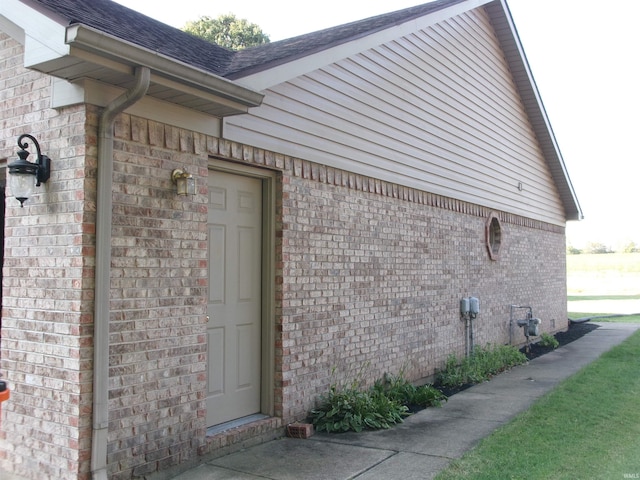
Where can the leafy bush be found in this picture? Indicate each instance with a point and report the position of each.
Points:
(398, 388)
(349, 408)
(356, 410)
(481, 365)
(548, 341)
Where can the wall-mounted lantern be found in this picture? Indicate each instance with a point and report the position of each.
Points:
(184, 182)
(25, 175)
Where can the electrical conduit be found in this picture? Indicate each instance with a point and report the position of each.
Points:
(103, 271)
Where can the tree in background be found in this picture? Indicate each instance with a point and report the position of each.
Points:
(596, 247)
(227, 31)
(571, 250)
(630, 247)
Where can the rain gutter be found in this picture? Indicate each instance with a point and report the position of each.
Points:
(82, 38)
(103, 271)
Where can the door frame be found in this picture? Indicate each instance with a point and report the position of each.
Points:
(267, 343)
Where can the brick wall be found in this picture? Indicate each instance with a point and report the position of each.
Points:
(373, 275)
(159, 293)
(369, 277)
(48, 284)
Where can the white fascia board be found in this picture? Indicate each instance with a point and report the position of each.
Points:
(281, 73)
(11, 29)
(43, 37)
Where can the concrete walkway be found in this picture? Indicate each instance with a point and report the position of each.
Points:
(427, 441)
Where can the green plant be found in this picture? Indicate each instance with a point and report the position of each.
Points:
(481, 365)
(355, 410)
(348, 407)
(399, 389)
(548, 341)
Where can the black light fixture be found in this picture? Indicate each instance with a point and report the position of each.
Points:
(22, 172)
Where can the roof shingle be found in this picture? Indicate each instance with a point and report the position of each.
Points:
(258, 58)
(131, 26)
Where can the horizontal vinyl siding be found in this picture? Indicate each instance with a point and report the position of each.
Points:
(437, 111)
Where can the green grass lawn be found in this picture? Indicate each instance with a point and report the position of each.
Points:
(588, 427)
(605, 306)
(604, 317)
(601, 284)
(602, 297)
(604, 274)
(618, 262)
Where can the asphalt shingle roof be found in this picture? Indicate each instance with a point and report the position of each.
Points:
(126, 24)
(257, 58)
(131, 26)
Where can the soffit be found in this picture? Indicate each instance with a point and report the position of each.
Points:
(76, 52)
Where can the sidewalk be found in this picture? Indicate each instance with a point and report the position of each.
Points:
(427, 441)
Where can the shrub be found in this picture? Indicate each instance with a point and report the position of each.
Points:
(398, 388)
(352, 409)
(548, 341)
(481, 365)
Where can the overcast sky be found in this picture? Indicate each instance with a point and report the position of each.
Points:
(583, 54)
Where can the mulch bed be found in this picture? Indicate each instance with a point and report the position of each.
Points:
(574, 332)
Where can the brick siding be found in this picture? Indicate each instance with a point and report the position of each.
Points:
(48, 284)
(368, 279)
(373, 275)
(158, 300)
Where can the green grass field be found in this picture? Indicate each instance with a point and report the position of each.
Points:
(604, 284)
(604, 274)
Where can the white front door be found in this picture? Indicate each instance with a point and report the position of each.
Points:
(235, 299)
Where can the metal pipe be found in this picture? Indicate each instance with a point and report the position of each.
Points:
(512, 308)
(103, 271)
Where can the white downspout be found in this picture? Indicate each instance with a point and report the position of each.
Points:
(103, 271)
